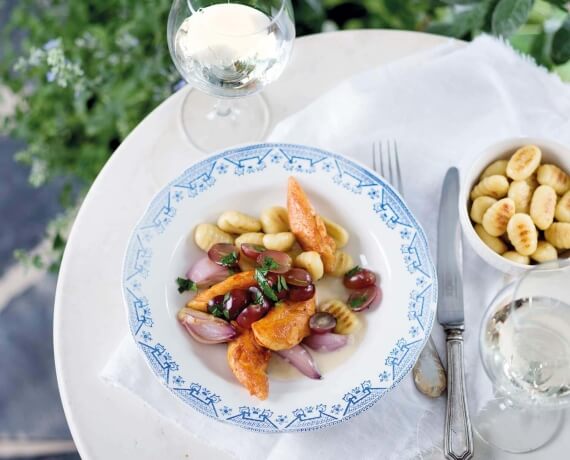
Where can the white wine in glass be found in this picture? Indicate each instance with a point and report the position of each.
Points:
(228, 51)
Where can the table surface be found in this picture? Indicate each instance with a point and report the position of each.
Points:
(90, 320)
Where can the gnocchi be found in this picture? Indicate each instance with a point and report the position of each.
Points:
(238, 222)
(336, 232)
(562, 212)
(498, 167)
(514, 256)
(206, 235)
(544, 252)
(346, 321)
(275, 220)
(558, 234)
(522, 234)
(496, 244)
(520, 192)
(343, 263)
(553, 176)
(282, 241)
(479, 206)
(311, 261)
(524, 162)
(497, 217)
(250, 238)
(542, 206)
(494, 186)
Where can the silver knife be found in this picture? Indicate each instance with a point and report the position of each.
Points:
(458, 436)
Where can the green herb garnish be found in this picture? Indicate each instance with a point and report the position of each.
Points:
(258, 299)
(217, 312)
(264, 285)
(281, 284)
(353, 271)
(357, 301)
(229, 260)
(186, 284)
(268, 265)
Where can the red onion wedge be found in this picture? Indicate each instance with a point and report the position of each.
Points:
(206, 328)
(300, 358)
(205, 273)
(326, 342)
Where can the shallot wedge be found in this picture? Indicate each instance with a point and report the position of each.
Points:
(300, 358)
(326, 342)
(206, 328)
(205, 273)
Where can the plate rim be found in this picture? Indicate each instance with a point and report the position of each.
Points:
(363, 169)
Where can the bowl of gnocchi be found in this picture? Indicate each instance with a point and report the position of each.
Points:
(515, 203)
(279, 288)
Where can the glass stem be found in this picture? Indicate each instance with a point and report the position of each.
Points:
(223, 107)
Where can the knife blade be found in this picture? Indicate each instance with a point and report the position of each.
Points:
(458, 436)
(449, 271)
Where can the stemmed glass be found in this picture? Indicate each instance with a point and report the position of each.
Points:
(228, 50)
(525, 348)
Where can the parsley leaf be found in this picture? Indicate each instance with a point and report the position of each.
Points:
(281, 284)
(217, 312)
(353, 271)
(268, 265)
(230, 259)
(258, 299)
(186, 284)
(357, 301)
(264, 285)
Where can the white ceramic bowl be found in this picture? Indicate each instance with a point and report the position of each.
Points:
(552, 152)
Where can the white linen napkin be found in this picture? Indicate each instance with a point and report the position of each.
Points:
(441, 111)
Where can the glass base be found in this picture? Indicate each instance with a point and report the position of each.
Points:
(514, 429)
(213, 124)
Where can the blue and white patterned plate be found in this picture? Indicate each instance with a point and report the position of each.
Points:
(384, 236)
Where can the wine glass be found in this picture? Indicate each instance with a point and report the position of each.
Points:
(525, 348)
(228, 50)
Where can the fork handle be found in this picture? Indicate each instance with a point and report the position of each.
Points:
(458, 436)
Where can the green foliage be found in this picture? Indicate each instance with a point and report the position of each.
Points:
(88, 72)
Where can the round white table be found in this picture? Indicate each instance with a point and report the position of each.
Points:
(90, 319)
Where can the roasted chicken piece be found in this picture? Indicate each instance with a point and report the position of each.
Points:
(241, 280)
(285, 325)
(248, 361)
(308, 227)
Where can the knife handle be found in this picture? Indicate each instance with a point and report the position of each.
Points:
(458, 437)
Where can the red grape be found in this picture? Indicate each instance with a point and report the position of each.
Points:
(298, 293)
(251, 314)
(275, 261)
(273, 280)
(322, 322)
(252, 250)
(256, 297)
(234, 302)
(298, 277)
(358, 278)
(361, 299)
(224, 254)
(216, 306)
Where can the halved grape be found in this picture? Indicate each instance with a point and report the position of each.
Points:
(252, 250)
(224, 254)
(360, 299)
(322, 322)
(300, 293)
(274, 261)
(298, 277)
(234, 302)
(358, 278)
(256, 297)
(251, 314)
(279, 286)
(216, 306)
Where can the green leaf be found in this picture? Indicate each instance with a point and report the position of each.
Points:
(186, 284)
(353, 271)
(268, 264)
(509, 15)
(281, 284)
(264, 285)
(230, 260)
(561, 44)
(357, 301)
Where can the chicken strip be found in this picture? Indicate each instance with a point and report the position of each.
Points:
(285, 325)
(248, 361)
(307, 226)
(241, 280)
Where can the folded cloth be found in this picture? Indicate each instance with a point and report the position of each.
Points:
(441, 109)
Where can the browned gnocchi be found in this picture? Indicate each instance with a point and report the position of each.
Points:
(518, 199)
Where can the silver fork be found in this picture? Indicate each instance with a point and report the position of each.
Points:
(429, 375)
